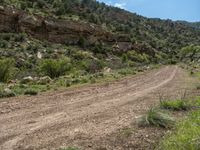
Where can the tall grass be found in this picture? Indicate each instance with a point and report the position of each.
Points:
(6, 69)
(180, 105)
(175, 104)
(186, 135)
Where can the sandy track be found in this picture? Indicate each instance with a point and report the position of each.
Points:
(64, 118)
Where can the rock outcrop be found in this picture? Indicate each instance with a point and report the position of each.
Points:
(58, 31)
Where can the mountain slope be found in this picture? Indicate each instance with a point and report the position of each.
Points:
(162, 35)
(191, 24)
(91, 35)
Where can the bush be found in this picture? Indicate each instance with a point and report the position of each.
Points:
(4, 94)
(175, 105)
(19, 37)
(30, 92)
(198, 87)
(94, 66)
(3, 44)
(82, 42)
(154, 117)
(6, 69)
(55, 68)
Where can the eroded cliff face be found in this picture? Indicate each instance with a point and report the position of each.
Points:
(58, 31)
(65, 31)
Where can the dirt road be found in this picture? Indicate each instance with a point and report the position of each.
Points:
(82, 116)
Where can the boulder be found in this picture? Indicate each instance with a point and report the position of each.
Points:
(7, 90)
(39, 55)
(27, 80)
(45, 80)
(107, 70)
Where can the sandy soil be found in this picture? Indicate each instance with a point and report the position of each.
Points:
(88, 117)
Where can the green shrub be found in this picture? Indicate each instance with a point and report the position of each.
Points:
(30, 92)
(175, 105)
(137, 57)
(94, 66)
(196, 103)
(55, 68)
(198, 87)
(82, 42)
(19, 37)
(4, 94)
(3, 44)
(155, 117)
(6, 36)
(6, 69)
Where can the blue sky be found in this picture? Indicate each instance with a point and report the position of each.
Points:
(188, 10)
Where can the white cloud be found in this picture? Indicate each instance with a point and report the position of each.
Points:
(120, 5)
(109, 3)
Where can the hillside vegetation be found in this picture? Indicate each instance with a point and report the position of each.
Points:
(82, 40)
(192, 24)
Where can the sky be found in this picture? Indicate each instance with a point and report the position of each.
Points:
(188, 10)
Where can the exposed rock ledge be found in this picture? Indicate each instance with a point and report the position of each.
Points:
(58, 31)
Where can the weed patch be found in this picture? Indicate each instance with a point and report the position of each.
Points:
(185, 136)
(176, 105)
(180, 105)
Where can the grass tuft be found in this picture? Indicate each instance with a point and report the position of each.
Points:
(30, 92)
(155, 117)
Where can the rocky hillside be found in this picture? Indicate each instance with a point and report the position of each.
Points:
(89, 34)
(72, 22)
(55, 30)
(191, 24)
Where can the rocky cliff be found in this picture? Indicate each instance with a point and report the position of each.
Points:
(59, 31)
